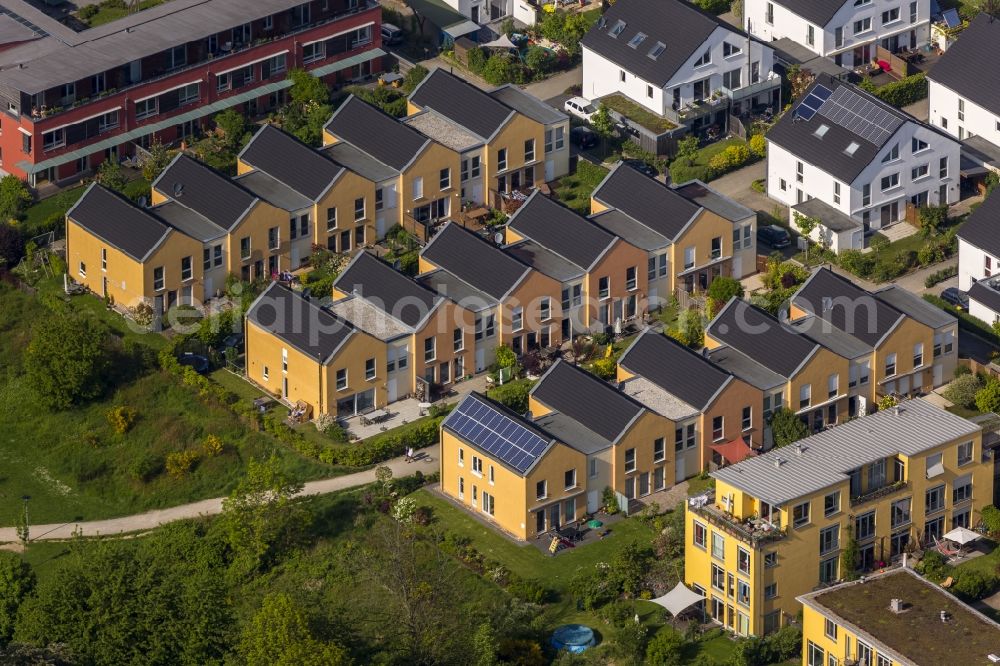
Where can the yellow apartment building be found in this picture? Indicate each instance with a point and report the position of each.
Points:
(896, 339)
(416, 179)
(501, 135)
(691, 234)
(297, 350)
(508, 471)
(794, 370)
(603, 275)
(513, 304)
(429, 338)
(705, 405)
(330, 206)
(775, 525)
(894, 619)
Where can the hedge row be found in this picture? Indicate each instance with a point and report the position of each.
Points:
(940, 276)
(900, 93)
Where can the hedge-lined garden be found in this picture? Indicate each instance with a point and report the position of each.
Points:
(900, 93)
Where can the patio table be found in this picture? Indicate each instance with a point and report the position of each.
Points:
(376, 416)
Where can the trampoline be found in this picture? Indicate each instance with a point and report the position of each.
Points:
(574, 638)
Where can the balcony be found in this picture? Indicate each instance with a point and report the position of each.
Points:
(768, 83)
(879, 493)
(688, 112)
(755, 532)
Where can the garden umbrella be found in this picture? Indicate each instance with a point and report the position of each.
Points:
(961, 536)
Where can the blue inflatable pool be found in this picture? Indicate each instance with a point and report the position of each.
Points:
(573, 637)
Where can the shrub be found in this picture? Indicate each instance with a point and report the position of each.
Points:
(528, 590)
(714, 6)
(475, 58)
(500, 69)
(758, 145)
(903, 92)
(759, 186)
(144, 468)
(934, 565)
(506, 358)
(940, 276)
(121, 418)
(666, 648)
(513, 394)
(857, 262)
(988, 397)
(539, 60)
(732, 157)
(962, 390)
(213, 446)
(179, 463)
(787, 427)
(605, 368)
(991, 519)
(973, 584)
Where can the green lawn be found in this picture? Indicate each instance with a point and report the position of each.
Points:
(75, 467)
(575, 189)
(109, 11)
(637, 113)
(40, 216)
(988, 564)
(681, 171)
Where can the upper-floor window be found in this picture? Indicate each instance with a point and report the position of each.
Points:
(188, 94)
(918, 145)
(964, 453)
(146, 108)
(862, 25)
(359, 208)
(604, 287)
(444, 179)
(629, 460)
(186, 271)
(890, 365)
(108, 121)
(502, 159)
(53, 139)
(800, 514)
(659, 449)
(313, 52)
(529, 150)
(810, 35)
(177, 57)
(705, 59)
(631, 278)
(730, 49)
(158, 282)
(890, 16)
(300, 15)
(892, 155)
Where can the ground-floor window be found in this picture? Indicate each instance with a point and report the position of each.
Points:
(718, 609)
(359, 403)
(898, 543)
(488, 503)
(772, 622)
(815, 655)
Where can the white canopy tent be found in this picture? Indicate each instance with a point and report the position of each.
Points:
(679, 599)
(501, 42)
(961, 536)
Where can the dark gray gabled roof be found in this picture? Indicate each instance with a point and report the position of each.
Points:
(302, 324)
(674, 368)
(982, 229)
(285, 158)
(187, 221)
(760, 336)
(360, 162)
(702, 195)
(592, 402)
(204, 190)
(561, 230)
(796, 131)
(839, 342)
(462, 102)
(682, 27)
(913, 306)
(474, 260)
(529, 105)
(118, 222)
(380, 284)
(273, 191)
(380, 135)
(630, 230)
(846, 306)
(819, 12)
(968, 66)
(646, 200)
(573, 433)
(545, 261)
(747, 369)
(981, 292)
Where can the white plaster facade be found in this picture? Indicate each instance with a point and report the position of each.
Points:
(961, 117)
(977, 265)
(849, 38)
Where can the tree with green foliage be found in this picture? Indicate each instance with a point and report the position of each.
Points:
(850, 556)
(687, 149)
(721, 290)
(878, 243)
(231, 126)
(666, 648)
(501, 68)
(413, 77)
(688, 329)
(279, 635)
(485, 646)
(506, 358)
(14, 197)
(11, 246)
(787, 428)
(308, 109)
(17, 582)
(156, 161)
(805, 223)
(963, 389)
(67, 360)
(988, 397)
(111, 176)
(263, 517)
(603, 123)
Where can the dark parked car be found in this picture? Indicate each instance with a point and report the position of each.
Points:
(583, 137)
(774, 236)
(642, 167)
(956, 297)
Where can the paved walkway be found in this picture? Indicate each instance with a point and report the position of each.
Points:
(427, 463)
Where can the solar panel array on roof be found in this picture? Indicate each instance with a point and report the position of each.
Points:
(497, 434)
(813, 101)
(860, 115)
(951, 18)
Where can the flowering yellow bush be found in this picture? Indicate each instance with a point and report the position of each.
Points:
(179, 463)
(121, 418)
(213, 446)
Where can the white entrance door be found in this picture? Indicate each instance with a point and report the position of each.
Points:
(938, 375)
(477, 192)
(593, 501)
(904, 386)
(209, 291)
(480, 360)
(380, 226)
(550, 170)
(295, 258)
(390, 390)
(679, 474)
(737, 266)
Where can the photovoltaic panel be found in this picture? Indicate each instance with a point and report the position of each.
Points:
(496, 433)
(822, 92)
(860, 115)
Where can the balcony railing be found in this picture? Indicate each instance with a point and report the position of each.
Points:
(753, 532)
(693, 110)
(771, 81)
(363, 6)
(879, 493)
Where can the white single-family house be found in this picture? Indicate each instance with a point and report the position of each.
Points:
(979, 260)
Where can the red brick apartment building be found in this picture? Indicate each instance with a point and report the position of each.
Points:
(71, 99)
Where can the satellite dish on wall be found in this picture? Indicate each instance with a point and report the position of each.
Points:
(178, 189)
(498, 238)
(142, 202)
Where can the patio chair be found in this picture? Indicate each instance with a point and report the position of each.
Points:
(943, 548)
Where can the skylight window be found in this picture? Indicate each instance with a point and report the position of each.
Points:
(617, 29)
(852, 148)
(657, 50)
(821, 131)
(638, 39)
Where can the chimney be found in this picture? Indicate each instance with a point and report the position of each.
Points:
(798, 449)
(944, 616)
(778, 462)
(895, 410)
(896, 605)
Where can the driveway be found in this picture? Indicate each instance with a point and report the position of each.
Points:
(556, 84)
(427, 462)
(736, 185)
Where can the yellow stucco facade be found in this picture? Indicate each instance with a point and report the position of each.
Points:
(515, 157)
(699, 249)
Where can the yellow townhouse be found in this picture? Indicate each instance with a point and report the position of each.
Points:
(416, 178)
(691, 234)
(241, 233)
(299, 351)
(602, 276)
(714, 415)
(898, 339)
(793, 370)
(513, 304)
(429, 338)
(896, 618)
(329, 205)
(129, 255)
(508, 141)
(775, 526)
